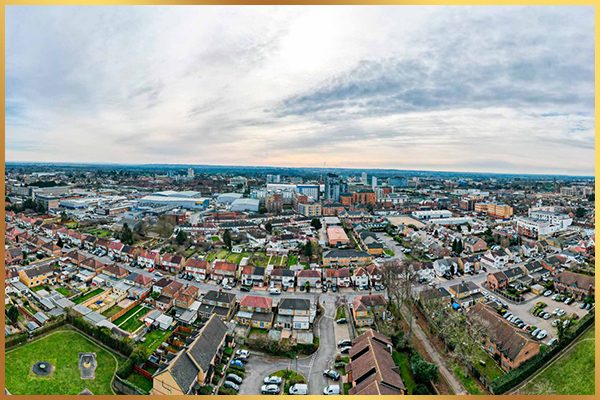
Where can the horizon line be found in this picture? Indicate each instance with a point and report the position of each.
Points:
(292, 167)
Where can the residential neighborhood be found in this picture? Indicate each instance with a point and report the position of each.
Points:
(192, 282)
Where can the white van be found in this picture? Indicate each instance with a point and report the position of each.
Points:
(298, 388)
(332, 389)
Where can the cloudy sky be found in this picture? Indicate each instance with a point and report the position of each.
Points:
(498, 89)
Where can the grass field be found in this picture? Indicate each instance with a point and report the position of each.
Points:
(292, 260)
(572, 373)
(100, 232)
(87, 296)
(111, 311)
(64, 291)
(140, 381)
(155, 338)
(403, 362)
(61, 349)
(132, 322)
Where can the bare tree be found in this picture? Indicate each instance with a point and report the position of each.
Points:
(399, 278)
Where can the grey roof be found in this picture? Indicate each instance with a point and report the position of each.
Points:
(220, 297)
(207, 344)
(184, 372)
(294, 304)
(344, 253)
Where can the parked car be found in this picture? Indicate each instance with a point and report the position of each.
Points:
(231, 385)
(547, 293)
(234, 378)
(274, 291)
(272, 380)
(344, 343)
(547, 316)
(535, 332)
(332, 373)
(242, 359)
(324, 289)
(242, 352)
(332, 389)
(568, 301)
(298, 389)
(345, 350)
(542, 334)
(227, 287)
(552, 341)
(582, 305)
(245, 288)
(341, 321)
(269, 389)
(236, 363)
(588, 306)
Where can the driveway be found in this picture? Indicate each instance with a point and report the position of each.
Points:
(312, 367)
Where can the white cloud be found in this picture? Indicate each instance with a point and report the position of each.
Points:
(482, 89)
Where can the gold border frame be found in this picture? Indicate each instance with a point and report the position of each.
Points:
(5, 3)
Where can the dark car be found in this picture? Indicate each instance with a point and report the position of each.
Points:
(244, 288)
(341, 321)
(332, 373)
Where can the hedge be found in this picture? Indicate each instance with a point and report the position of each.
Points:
(513, 378)
(14, 340)
(103, 335)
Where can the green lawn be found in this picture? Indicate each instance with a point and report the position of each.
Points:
(340, 312)
(134, 322)
(61, 349)
(64, 291)
(290, 378)
(87, 296)
(572, 373)
(403, 362)
(111, 311)
(292, 260)
(100, 232)
(155, 338)
(468, 381)
(140, 381)
(214, 238)
(491, 369)
(389, 252)
(128, 314)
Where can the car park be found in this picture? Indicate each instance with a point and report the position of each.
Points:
(535, 332)
(272, 380)
(269, 389)
(547, 316)
(568, 301)
(552, 341)
(332, 373)
(231, 385)
(331, 389)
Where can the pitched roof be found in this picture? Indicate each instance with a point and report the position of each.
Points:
(256, 301)
(509, 340)
(294, 304)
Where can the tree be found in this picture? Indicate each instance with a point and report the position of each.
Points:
(181, 237)
(60, 243)
(126, 235)
(269, 227)
(580, 212)
(227, 238)
(63, 217)
(399, 278)
(308, 249)
(12, 313)
(423, 371)
(316, 223)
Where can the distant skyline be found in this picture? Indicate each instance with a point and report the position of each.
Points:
(461, 89)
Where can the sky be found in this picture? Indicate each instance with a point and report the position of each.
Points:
(469, 89)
